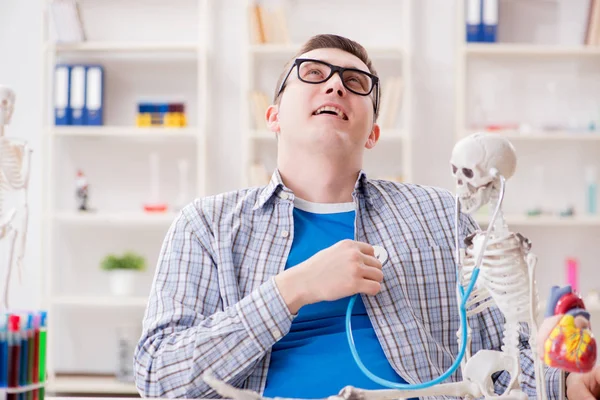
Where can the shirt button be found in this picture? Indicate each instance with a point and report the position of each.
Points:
(284, 196)
(276, 334)
(285, 234)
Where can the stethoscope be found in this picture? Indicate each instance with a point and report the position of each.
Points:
(463, 297)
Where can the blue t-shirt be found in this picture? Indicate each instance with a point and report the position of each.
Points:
(314, 360)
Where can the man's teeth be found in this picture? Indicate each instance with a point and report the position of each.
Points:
(331, 109)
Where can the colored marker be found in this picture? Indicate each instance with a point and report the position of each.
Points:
(14, 353)
(30, 353)
(3, 351)
(42, 352)
(36, 353)
(23, 356)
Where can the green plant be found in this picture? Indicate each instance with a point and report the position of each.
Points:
(128, 260)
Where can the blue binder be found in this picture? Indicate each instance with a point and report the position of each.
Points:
(62, 83)
(473, 20)
(490, 20)
(94, 98)
(77, 96)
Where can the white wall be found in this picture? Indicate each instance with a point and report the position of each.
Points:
(434, 67)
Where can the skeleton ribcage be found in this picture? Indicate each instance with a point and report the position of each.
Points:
(503, 277)
(11, 175)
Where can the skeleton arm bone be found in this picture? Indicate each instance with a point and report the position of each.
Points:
(15, 165)
(22, 233)
(11, 234)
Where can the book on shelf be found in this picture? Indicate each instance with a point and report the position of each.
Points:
(481, 21)
(268, 24)
(260, 102)
(391, 97)
(592, 32)
(68, 24)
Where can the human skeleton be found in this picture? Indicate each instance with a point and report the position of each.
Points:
(14, 176)
(481, 164)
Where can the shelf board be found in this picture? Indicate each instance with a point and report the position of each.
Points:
(21, 389)
(543, 220)
(100, 301)
(385, 136)
(543, 135)
(533, 50)
(291, 49)
(124, 47)
(125, 218)
(90, 385)
(123, 131)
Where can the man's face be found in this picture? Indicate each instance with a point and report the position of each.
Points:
(345, 123)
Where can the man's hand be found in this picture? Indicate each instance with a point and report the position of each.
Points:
(344, 269)
(584, 386)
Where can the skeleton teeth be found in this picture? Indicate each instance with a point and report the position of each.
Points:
(332, 109)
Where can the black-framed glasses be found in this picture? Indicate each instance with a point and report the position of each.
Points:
(355, 80)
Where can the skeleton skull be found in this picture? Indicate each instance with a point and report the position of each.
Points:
(476, 162)
(7, 103)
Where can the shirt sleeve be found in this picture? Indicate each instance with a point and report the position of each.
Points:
(187, 331)
(489, 326)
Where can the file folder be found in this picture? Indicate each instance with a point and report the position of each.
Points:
(62, 79)
(490, 20)
(94, 98)
(473, 20)
(77, 94)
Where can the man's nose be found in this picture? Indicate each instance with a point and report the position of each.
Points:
(335, 85)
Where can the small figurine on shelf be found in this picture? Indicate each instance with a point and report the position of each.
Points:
(81, 184)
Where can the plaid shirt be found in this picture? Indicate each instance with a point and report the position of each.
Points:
(215, 306)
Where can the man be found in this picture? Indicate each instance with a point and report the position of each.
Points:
(253, 285)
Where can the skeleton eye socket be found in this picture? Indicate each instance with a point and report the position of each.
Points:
(467, 172)
(454, 169)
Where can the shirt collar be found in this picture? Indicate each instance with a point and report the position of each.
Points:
(277, 187)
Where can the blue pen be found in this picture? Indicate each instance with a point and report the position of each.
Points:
(3, 350)
(29, 373)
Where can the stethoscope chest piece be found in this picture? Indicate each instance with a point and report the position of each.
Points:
(380, 254)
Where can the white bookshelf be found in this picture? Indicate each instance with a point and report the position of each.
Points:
(392, 157)
(142, 63)
(546, 136)
(520, 221)
(100, 301)
(529, 50)
(137, 219)
(125, 132)
(125, 47)
(510, 81)
(90, 385)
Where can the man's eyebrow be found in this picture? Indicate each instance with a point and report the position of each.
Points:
(346, 65)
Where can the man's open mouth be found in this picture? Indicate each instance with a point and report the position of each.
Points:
(332, 111)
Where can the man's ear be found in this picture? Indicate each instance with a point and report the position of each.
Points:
(272, 116)
(373, 137)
